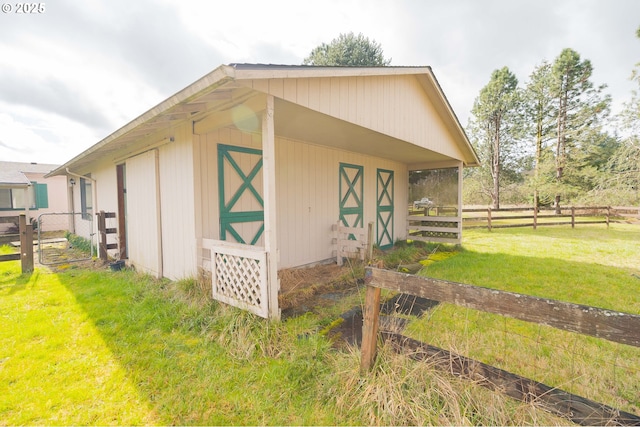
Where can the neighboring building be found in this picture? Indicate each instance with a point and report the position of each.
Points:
(270, 157)
(24, 189)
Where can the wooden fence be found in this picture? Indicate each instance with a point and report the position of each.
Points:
(597, 322)
(104, 246)
(26, 246)
(435, 224)
(532, 217)
(351, 242)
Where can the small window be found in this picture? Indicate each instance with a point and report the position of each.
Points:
(6, 200)
(86, 199)
(14, 198)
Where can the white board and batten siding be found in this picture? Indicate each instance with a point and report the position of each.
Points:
(308, 198)
(179, 244)
(160, 209)
(307, 180)
(393, 105)
(143, 213)
(206, 158)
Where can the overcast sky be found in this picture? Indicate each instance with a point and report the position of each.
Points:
(82, 69)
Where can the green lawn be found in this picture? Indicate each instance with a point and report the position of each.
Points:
(592, 265)
(84, 347)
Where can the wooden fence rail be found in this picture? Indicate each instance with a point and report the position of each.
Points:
(26, 246)
(538, 217)
(606, 324)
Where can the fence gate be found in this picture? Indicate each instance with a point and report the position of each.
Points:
(64, 238)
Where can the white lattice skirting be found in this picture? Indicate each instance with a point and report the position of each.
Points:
(239, 275)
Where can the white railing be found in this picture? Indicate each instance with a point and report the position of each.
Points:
(238, 275)
(445, 229)
(350, 242)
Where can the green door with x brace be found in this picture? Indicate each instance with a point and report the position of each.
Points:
(241, 204)
(351, 196)
(384, 208)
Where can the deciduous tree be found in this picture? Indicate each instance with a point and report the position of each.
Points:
(348, 50)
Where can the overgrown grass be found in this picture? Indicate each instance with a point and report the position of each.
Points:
(79, 242)
(7, 249)
(592, 266)
(101, 347)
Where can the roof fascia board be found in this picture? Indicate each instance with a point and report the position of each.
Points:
(265, 72)
(214, 79)
(433, 88)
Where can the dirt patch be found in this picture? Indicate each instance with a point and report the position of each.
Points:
(348, 329)
(304, 288)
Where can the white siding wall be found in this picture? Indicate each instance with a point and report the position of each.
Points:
(177, 202)
(308, 198)
(207, 162)
(307, 178)
(143, 216)
(393, 105)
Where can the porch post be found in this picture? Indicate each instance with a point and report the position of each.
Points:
(269, 183)
(460, 204)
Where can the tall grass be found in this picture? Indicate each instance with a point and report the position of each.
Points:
(101, 347)
(594, 266)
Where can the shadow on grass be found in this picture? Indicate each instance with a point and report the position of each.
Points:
(19, 283)
(191, 367)
(175, 356)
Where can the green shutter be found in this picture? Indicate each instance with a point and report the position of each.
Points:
(42, 197)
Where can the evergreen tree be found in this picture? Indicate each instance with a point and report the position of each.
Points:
(579, 109)
(624, 165)
(494, 130)
(539, 116)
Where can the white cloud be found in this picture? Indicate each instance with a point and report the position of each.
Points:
(78, 72)
(29, 135)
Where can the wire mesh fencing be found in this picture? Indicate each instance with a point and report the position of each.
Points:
(65, 238)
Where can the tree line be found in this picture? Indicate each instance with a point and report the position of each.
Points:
(551, 141)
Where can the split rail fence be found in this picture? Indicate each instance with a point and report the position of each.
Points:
(442, 223)
(532, 217)
(605, 324)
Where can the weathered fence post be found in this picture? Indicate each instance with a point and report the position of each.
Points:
(339, 246)
(608, 215)
(535, 217)
(102, 230)
(573, 217)
(489, 218)
(370, 241)
(371, 315)
(26, 244)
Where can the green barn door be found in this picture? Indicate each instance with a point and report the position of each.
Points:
(351, 196)
(241, 204)
(384, 208)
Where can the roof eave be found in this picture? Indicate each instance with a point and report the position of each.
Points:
(217, 77)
